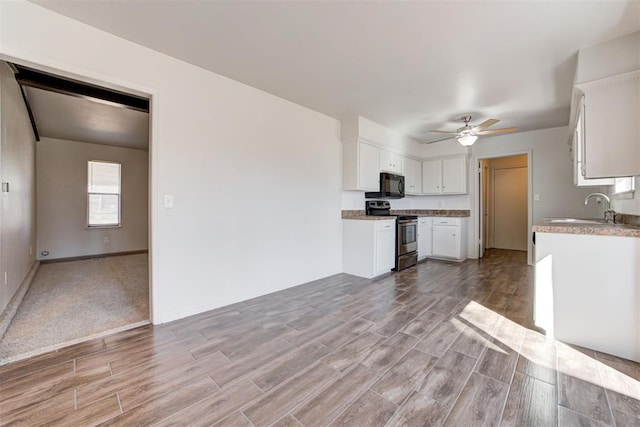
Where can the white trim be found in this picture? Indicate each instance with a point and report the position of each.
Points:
(473, 217)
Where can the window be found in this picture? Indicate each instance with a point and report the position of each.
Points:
(103, 194)
(624, 185)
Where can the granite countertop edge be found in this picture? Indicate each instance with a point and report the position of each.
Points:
(360, 214)
(621, 230)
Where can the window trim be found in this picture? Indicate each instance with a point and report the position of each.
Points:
(632, 186)
(119, 194)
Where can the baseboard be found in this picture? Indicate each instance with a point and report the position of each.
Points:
(12, 308)
(82, 257)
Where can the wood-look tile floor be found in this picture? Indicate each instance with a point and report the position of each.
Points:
(440, 344)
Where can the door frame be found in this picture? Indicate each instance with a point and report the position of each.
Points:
(47, 64)
(477, 223)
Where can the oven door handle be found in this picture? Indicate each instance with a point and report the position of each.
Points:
(407, 221)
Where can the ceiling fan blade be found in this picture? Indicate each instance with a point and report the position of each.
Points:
(452, 132)
(438, 140)
(496, 131)
(486, 124)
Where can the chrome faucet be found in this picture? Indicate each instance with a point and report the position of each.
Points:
(609, 214)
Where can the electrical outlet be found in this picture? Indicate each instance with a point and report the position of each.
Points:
(30, 250)
(6, 278)
(105, 239)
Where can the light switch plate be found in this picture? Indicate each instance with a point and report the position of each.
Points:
(168, 201)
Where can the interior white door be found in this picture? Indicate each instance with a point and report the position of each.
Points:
(510, 208)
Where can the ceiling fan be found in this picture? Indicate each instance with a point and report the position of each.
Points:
(467, 134)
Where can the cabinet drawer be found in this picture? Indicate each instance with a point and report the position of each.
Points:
(446, 221)
(424, 221)
(384, 224)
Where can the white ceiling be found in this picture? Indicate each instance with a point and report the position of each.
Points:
(78, 119)
(408, 65)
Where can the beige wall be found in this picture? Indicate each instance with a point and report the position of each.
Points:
(62, 200)
(17, 167)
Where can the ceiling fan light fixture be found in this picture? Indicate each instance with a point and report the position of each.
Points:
(467, 140)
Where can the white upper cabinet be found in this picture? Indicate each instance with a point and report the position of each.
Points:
(390, 162)
(454, 175)
(611, 126)
(444, 176)
(578, 151)
(361, 166)
(432, 177)
(412, 172)
(368, 172)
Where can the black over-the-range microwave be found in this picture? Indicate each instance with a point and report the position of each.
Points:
(391, 187)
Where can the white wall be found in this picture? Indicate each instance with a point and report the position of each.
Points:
(17, 207)
(617, 56)
(61, 171)
(359, 127)
(256, 179)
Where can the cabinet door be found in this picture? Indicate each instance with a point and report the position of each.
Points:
(446, 241)
(407, 172)
(417, 176)
(454, 175)
(612, 128)
(368, 172)
(424, 239)
(385, 248)
(578, 151)
(412, 172)
(431, 176)
(390, 162)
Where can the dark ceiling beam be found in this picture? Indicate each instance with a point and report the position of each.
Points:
(25, 97)
(40, 80)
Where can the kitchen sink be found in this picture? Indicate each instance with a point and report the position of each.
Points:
(573, 221)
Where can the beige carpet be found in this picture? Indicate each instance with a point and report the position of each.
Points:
(68, 301)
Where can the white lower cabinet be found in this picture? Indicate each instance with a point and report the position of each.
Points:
(449, 238)
(587, 291)
(368, 246)
(446, 241)
(424, 237)
(385, 248)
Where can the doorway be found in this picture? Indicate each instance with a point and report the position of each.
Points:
(93, 246)
(503, 208)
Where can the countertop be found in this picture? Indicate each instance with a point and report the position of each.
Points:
(360, 214)
(622, 230)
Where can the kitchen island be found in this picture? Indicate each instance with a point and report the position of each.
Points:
(587, 285)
